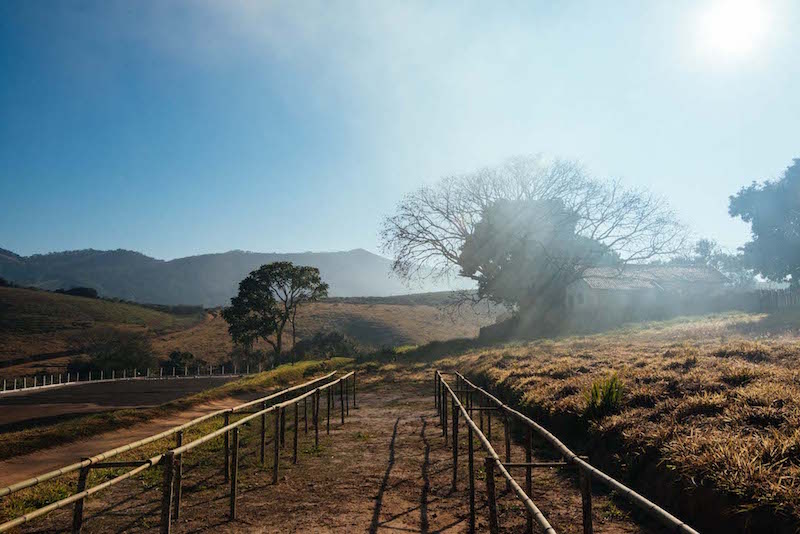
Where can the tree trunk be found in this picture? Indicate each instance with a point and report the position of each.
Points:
(294, 332)
(278, 337)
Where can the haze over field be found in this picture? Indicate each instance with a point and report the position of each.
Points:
(580, 218)
(208, 280)
(194, 127)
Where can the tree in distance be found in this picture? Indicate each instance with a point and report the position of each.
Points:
(526, 230)
(268, 299)
(110, 349)
(773, 211)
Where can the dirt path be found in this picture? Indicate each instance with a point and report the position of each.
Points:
(44, 405)
(23, 467)
(386, 470)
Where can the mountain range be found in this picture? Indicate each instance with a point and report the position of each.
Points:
(208, 279)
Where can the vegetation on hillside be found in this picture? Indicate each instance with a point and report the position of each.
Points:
(713, 399)
(44, 436)
(35, 322)
(526, 230)
(268, 300)
(42, 323)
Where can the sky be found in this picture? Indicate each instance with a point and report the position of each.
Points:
(178, 128)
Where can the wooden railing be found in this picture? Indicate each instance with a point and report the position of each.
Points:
(172, 459)
(49, 381)
(491, 404)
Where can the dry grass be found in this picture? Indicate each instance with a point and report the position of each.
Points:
(716, 399)
(41, 437)
(36, 322)
(371, 325)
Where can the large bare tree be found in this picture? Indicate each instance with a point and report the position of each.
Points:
(431, 226)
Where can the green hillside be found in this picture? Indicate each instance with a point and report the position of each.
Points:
(35, 322)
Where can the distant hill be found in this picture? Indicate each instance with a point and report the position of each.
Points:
(41, 323)
(209, 279)
(36, 326)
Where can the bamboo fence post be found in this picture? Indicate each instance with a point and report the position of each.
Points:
(471, 464)
(328, 416)
(227, 448)
(443, 412)
(354, 390)
(507, 431)
(277, 441)
(528, 478)
(316, 418)
(305, 414)
(167, 492)
(77, 513)
(347, 396)
(178, 476)
(283, 427)
(341, 398)
(296, 431)
(491, 497)
(263, 433)
(586, 500)
(480, 411)
(489, 425)
(455, 446)
(234, 472)
(436, 390)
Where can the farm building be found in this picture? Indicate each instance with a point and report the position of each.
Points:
(609, 293)
(608, 296)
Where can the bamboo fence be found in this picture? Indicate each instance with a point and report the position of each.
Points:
(172, 459)
(491, 404)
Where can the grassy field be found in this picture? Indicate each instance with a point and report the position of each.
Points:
(714, 400)
(37, 322)
(40, 437)
(371, 325)
(30, 440)
(41, 323)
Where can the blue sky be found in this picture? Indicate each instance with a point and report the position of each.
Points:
(177, 128)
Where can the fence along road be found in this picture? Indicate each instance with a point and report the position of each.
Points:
(228, 429)
(442, 391)
(19, 384)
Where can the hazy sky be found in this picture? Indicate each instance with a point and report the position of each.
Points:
(177, 128)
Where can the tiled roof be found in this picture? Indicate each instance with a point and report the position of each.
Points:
(633, 277)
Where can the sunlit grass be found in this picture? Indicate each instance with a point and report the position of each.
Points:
(714, 398)
(29, 440)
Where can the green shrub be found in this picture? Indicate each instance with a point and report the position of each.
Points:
(604, 398)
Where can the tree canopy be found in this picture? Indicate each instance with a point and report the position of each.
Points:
(525, 230)
(268, 299)
(524, 250)
(773, 211)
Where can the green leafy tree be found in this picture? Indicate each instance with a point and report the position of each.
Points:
(268, 299)
(525, 230)
(524, 253)
(109, 349)
(708, 253)
(772, 209)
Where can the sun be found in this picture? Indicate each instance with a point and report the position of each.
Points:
(732, 30)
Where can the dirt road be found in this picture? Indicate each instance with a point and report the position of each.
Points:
(46, 405)
(27, 466)
(386, 470)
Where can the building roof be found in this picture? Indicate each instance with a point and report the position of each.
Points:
(660, 277)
